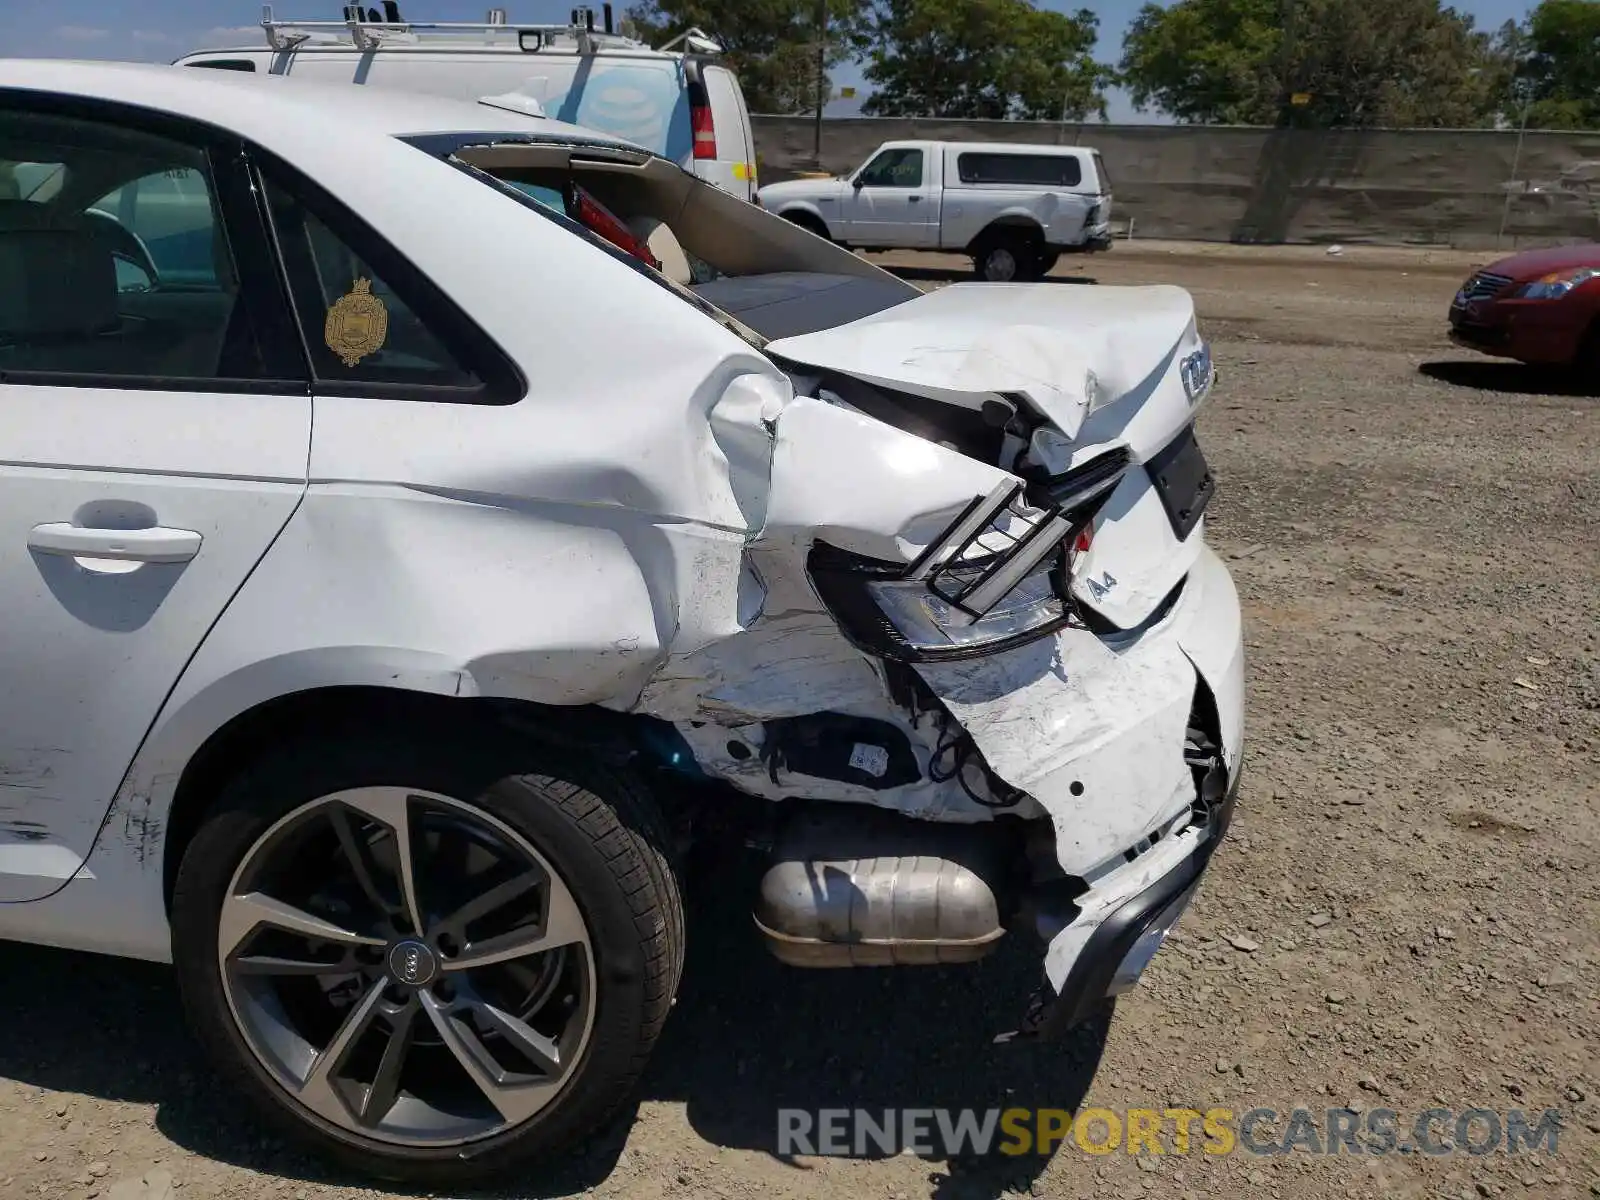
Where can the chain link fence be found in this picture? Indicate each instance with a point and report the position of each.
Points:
(1470, 188)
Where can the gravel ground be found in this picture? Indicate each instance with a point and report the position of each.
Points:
(1405, 915)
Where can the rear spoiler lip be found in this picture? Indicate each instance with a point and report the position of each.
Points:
(443, 145)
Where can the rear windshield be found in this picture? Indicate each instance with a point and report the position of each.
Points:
(752, 272)
(1046, 170)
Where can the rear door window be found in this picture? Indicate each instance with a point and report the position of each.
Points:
(117, 267)
(169, 211)
(1031, 170)
(1100, 170)
(34, 182)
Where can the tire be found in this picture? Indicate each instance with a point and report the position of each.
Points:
(578, 828)
(1047, 262)
(1006, 257)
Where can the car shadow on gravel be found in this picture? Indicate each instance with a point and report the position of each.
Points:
(1510, 378)
(747, 1037)
(751, 1036)
(959, 275)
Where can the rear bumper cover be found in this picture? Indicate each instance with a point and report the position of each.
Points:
(1094, 729)
(1114, 933)
(1095, 733)
(1098, 241)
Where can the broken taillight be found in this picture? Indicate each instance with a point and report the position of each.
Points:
(597, 218)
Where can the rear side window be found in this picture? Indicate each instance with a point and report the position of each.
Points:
(372, 324)
(1036, 170)
(1100, 170)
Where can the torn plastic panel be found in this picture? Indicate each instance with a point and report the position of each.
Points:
(861, 750)
(1033, 702)
(1107, 934)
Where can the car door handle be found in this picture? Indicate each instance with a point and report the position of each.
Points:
(153, 545)
(913, 199)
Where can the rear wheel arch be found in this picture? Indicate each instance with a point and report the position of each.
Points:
(807, 219)
(294, 718)
(1013, 228)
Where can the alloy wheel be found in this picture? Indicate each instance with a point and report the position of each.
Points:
(406, 966)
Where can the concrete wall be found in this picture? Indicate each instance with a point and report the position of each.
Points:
(1210, 183)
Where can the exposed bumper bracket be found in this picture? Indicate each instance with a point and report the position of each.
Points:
(1094, 975)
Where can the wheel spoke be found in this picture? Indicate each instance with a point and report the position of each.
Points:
(243, 915)
(496, 897)
(385, 1088)
(515, 1102)
(316, 1090)
(392, 807)
(542, 1051)
(359, 855)
(277, 964)
(562, 926)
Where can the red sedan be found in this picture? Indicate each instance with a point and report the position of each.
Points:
(1540, 306)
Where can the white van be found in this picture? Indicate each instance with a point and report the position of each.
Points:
(673, 100)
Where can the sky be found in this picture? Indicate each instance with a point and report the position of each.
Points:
(161, 30)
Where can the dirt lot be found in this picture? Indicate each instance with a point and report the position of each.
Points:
(1414, 534)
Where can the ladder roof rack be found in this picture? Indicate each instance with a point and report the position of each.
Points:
(371, 35)
(695, 40)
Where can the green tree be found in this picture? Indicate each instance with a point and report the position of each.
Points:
(1559, 65)
(771, 44)
(1353, 63)
(981, 58)
(1207, 61)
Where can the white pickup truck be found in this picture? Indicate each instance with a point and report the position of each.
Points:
(1015, 208)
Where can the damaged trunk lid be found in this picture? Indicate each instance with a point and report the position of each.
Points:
(1106, 382)
(1068, 350)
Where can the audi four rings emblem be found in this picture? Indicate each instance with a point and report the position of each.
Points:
(1195, 371)
(412, 963)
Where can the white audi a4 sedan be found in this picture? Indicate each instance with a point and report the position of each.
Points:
(416, 517)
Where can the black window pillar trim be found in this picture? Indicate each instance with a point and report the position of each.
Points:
(256, 259)
(258, 194)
